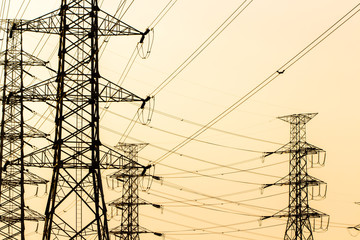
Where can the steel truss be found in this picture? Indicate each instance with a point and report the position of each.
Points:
(298, 212)
(13, 211)
(76, 206)
(129, 202)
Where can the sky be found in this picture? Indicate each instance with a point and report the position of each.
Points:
(211, 186)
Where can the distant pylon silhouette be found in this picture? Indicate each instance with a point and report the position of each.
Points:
(301, 184)
(129, 202)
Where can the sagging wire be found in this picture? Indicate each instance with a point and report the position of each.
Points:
(127, 67)
(262, 84)
(22, 4)
(207, 229)
(187, 156)
(182, 136)
(121, 8)
(203, 46)
(129, 128)
(185, 189)
(183, 204)
(162, 14)
(219, 233)
(197, 200)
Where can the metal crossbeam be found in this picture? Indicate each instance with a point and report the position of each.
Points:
(108, 92)
(50, 23)
(44, 158)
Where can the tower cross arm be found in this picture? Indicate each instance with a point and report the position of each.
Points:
(112, 159)
(44, 157)
(287, 148)
(112, 26)
(27, 60)
(47, 91)
(111, 92)
(50, 23)
(310, 212)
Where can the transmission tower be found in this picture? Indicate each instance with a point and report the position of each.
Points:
(302, 186)
(76, 206)
(129, 202)
(13, 211)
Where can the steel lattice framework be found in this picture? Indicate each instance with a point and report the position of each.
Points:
(298, 212)
(13, 212)
(76, 206)
(129, 202)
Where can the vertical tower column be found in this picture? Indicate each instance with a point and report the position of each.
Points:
(130, 201)
(12, 141)
(298, 225)
(129, 228)
(76, 175)
(13, 178)
(299, 214)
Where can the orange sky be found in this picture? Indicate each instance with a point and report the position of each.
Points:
(255, 45)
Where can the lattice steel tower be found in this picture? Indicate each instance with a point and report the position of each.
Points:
(129, 202)
(13, 211)
(76, 206)
(302, 186)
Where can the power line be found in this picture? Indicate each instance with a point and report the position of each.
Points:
(267, 81)
(182, 155)
(204, 198)
(168, 175)
(162, 14)
(203, 46)
(207, 228)
(220, 233)
(172, 204)
(186, 189)
(214, 129)
(179, 135)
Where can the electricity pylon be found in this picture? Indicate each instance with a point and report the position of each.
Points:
(129, 202)
(301, 184)
(76, 206)
(13, 211)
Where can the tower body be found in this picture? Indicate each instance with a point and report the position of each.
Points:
(302, 187)
(13, 177)
(76, 207)
(129, 203)
(130, 175)
(12, 143)
(298, 225)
